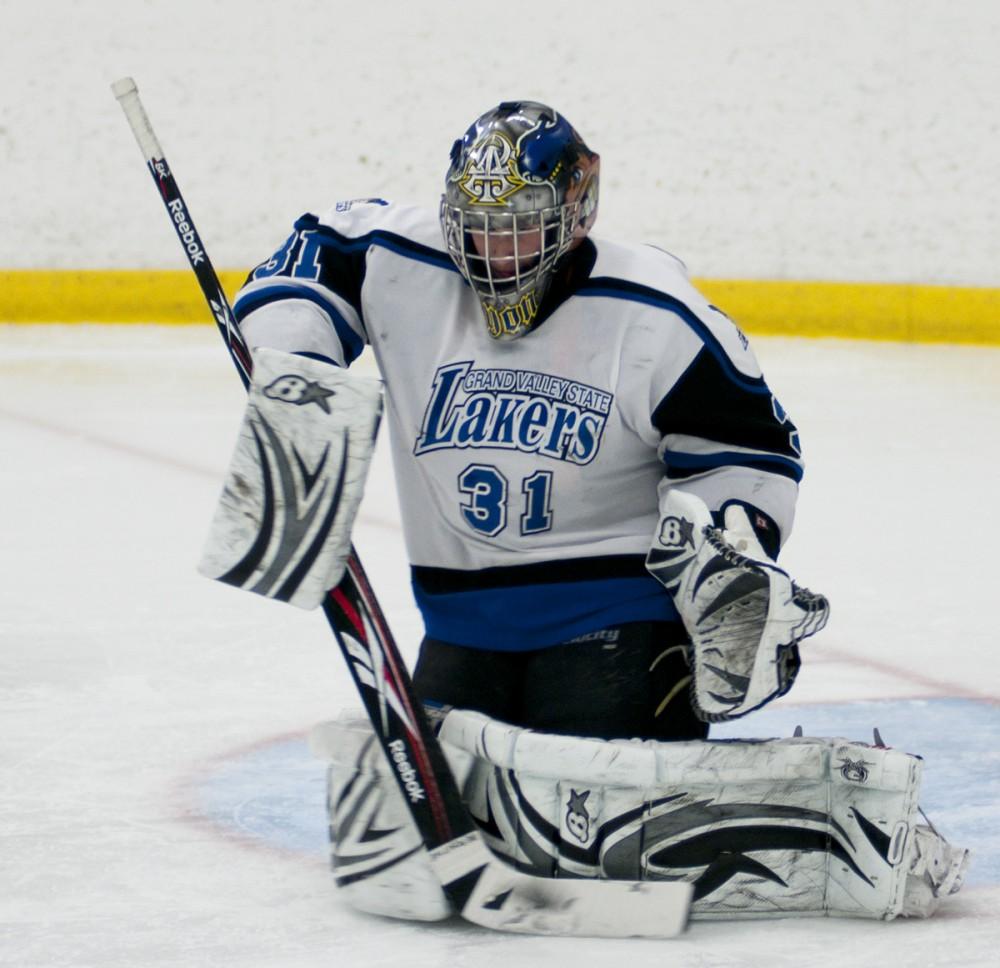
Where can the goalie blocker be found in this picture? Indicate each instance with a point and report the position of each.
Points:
(762, 829)
(282, 527)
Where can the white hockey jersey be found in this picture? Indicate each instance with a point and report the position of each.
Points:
(527, 470)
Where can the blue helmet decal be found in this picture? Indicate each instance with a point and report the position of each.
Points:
(540, 150)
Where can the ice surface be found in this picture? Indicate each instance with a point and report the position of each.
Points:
(155, 793)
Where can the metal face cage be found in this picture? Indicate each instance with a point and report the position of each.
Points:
(508, 257)
(520, 192)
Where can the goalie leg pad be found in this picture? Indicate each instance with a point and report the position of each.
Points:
(763, 829)
(378, 860)
(282, 527)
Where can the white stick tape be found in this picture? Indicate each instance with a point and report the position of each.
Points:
(128, 97)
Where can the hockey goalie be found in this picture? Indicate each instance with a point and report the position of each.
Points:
(595, 483)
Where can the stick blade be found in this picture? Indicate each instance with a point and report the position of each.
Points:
(572, 907)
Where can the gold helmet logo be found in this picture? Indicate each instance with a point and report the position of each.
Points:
(491, 176)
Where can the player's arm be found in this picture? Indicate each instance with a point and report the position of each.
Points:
(732, 465)
(724, 436)
(306, 298)
(283, 524)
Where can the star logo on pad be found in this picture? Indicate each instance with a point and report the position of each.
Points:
(676, 532)
(292, 388)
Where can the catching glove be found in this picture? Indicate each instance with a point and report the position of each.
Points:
(744, 614)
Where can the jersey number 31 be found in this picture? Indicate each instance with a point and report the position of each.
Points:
(485, 502)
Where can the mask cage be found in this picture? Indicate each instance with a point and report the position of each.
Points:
(507, 255)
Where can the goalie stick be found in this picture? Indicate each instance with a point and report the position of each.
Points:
(481, 887)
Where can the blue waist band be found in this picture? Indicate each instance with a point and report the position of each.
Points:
(532, 616)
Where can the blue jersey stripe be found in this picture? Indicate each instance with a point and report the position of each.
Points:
(524, 617)
(620, 289)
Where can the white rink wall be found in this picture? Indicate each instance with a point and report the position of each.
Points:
(855, 140)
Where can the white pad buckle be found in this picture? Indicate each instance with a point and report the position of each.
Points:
(282, 527)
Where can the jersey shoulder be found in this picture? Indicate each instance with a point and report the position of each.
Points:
(382, 220)
(654, 284)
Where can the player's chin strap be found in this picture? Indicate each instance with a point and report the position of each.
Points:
(744, 614)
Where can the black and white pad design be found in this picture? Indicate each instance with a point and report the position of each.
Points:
(745, 616)
(282, 527)
(758, 828)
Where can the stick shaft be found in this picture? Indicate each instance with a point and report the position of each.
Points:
(128, 97)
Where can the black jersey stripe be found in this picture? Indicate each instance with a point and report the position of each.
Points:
(704, 403)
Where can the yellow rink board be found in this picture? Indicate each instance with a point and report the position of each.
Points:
(921, 313)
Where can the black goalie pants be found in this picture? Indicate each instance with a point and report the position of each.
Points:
(620, 683)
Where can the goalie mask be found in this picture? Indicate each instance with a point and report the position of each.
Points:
(520, 193)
